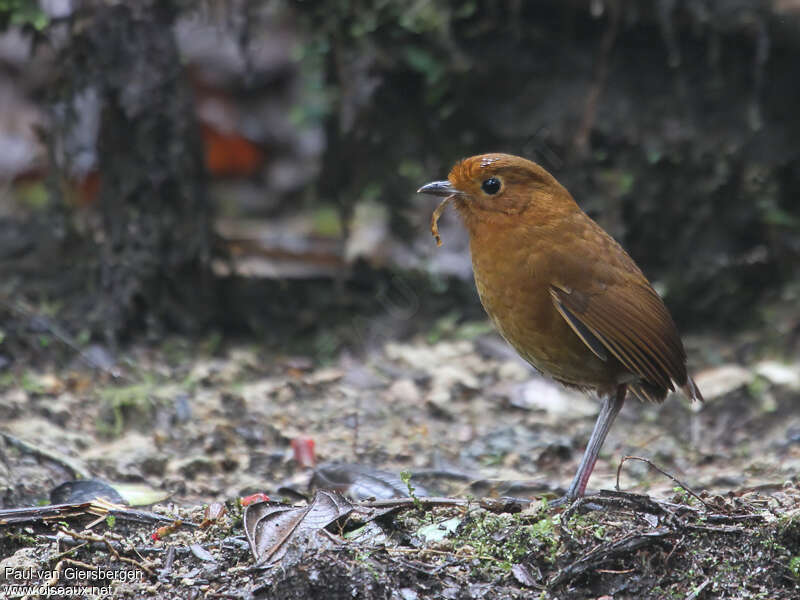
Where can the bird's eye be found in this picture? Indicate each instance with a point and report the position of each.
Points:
(491, 185)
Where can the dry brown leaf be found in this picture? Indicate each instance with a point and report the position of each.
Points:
(272, 527)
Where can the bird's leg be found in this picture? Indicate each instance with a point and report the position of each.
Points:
(611, 407)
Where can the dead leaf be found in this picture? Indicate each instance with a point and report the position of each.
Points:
(522, 573)
(202, 553)
(361, 482)
(272, 527)
(84, 490)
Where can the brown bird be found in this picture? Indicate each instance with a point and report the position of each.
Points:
(561, 291)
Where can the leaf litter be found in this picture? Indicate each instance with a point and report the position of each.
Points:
(225, 432)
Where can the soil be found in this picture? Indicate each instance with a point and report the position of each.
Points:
(207, 423)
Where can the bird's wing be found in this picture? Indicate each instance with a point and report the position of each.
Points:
(632, 324)
(614, 310)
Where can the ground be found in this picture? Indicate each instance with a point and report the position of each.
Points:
(210, 423)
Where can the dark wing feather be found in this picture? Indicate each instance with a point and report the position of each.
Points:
(631, 323)
(581, 330)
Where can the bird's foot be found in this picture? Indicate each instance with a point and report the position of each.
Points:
(573, 503)
(562, 501)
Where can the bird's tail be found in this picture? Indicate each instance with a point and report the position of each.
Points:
(691, 390)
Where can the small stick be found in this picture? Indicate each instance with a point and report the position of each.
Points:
(690, 491)
(60, 567)
(698, 590)
(109, 546)
(168, 561)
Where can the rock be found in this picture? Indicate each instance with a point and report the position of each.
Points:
(408, 594)
(12, 403)
(42, 432)
(191, 466)
(514, 370)
(323, 376)
(403, 390)
(551, 397)
(23, 560)
(721, 381)
(130, 455)
(428, 357)
(777, 373)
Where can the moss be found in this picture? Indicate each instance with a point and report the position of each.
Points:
(501, 541)
(794, 566)
(125, 405)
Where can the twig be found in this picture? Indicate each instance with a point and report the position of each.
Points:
(99, 507)
(607, 552)
(426, 569)
(674, 547)
(490, 504)
(58, 539)
(689, 490)
(109, 546)
(443, 474)
(698, 590)
(711, 529)
(60, 567)
(409, 502)
(77, 544)
(615, 571)
(620, 500)
(170, 558)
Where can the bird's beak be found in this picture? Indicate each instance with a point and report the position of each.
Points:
(438, 188)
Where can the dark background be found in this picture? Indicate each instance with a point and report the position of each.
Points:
(216, 280)
(249, 167)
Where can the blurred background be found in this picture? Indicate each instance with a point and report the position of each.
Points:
(182, 180)
(163, 165)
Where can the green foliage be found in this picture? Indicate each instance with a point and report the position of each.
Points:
(794, 566)
(452, 326)
(405, 476)
(326, 221)
(682, 496)
(122, 403)
(318, 98)
(504, 540)
(21, 538)
(32, 384)
(404, 35)
(22, 13)
(7, 380)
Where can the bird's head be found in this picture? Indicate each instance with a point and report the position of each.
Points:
(494, 187)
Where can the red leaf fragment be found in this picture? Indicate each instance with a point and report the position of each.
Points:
(253, 498)
(303, 448)
(162, 532)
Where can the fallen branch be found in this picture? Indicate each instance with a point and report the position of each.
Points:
(98, 507)
(498, 505)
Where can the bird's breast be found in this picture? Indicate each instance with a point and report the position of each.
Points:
(513, 273)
